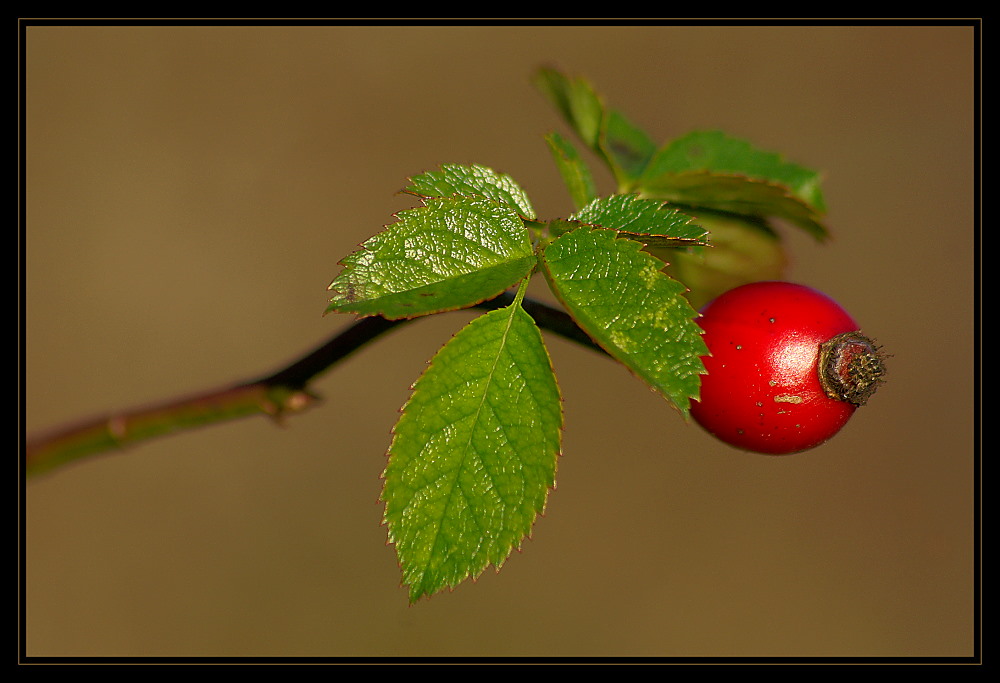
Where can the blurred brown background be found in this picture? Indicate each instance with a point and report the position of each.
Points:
(189, 192)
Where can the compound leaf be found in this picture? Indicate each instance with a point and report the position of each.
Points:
(640, 316)
(706, 169)
(474, 453)
(450, 253)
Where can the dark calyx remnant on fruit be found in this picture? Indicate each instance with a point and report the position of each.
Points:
(851, 367)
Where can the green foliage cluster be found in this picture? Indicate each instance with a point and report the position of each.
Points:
(473, 455)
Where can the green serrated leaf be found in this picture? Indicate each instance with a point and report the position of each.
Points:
(456, 179)
(713, 170)
(619, 296)
(575, 173)
(738, 195)
(714, 150)
(644, 220)
(450, 253)
(474, 453)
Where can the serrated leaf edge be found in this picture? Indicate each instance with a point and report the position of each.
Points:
(683, 242)
(498, 565)
(684, 412)
(388, 227)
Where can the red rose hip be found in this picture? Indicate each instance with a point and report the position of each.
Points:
(788, 368)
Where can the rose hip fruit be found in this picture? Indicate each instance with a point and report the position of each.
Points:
(788, 368)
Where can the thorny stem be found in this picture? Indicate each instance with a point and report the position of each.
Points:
(276, 395)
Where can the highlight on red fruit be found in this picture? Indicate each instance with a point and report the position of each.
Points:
(788, 368)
